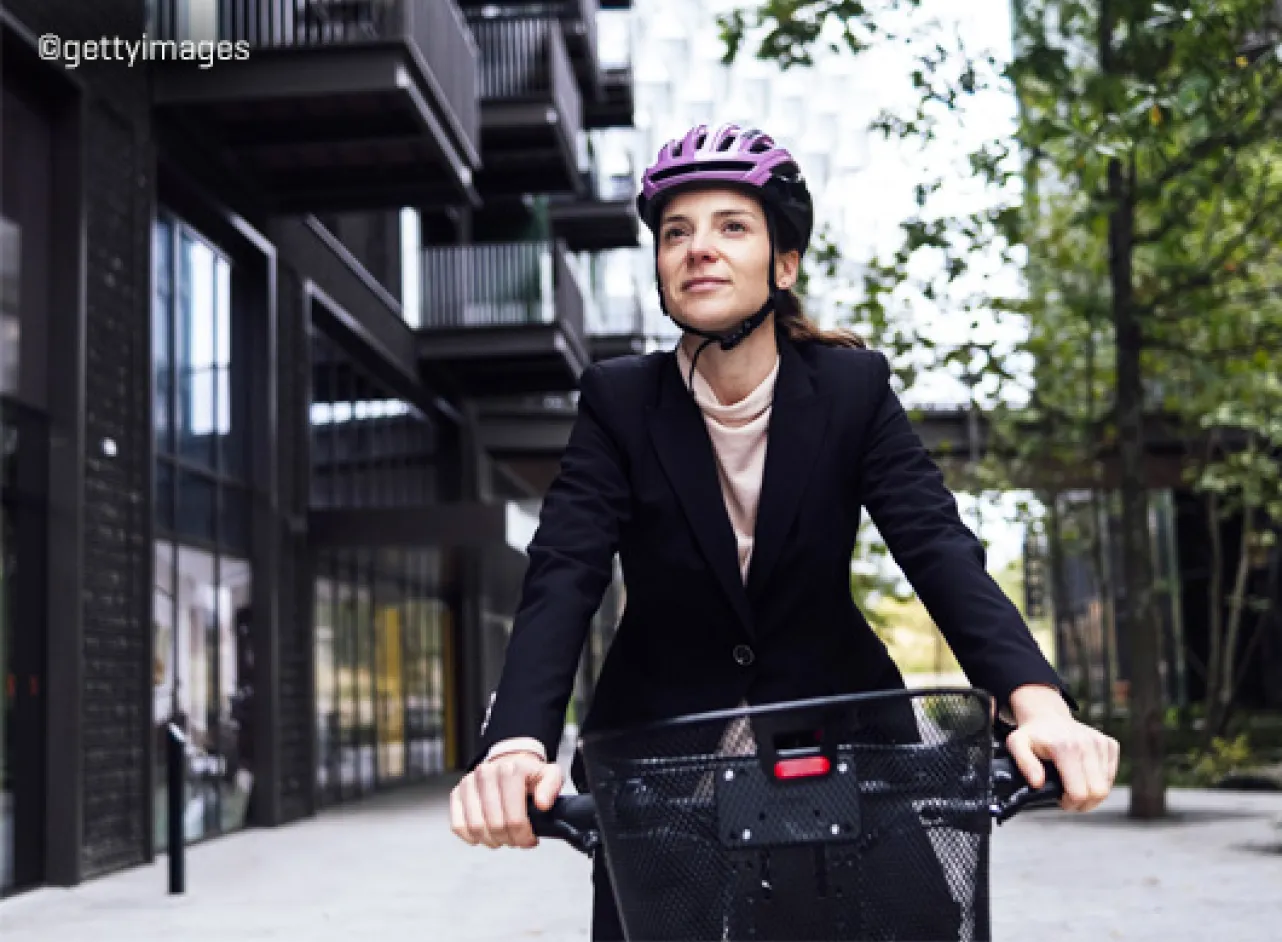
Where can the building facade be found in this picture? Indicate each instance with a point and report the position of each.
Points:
(289, 329)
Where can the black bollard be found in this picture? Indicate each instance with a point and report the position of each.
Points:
(175, 755)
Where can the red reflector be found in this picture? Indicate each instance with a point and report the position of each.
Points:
(802, 768)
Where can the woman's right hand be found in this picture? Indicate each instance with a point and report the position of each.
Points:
(489, 805)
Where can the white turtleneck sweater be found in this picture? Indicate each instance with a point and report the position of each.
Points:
(738, 434)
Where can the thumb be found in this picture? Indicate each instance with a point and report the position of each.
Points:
(1021, 750)
(546, 782)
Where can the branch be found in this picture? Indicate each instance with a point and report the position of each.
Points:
(1235, 136)
(1270, 341)
(1206, 277)
(1178, 214)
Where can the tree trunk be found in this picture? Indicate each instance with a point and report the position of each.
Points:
(1105, 584)
(1214, 620)
(1233, 631)
(1059, 590)
(1148, 781)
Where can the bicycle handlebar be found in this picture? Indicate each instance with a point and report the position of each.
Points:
(1012, 793)
(572, 818)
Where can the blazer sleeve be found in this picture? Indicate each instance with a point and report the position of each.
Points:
(570, 565)
(917, 516)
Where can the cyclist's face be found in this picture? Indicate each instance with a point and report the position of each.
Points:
(714, 252)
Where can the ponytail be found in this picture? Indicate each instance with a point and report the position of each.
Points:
(801, 329)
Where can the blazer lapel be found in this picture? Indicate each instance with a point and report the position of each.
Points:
(798, 419)
(685, 451)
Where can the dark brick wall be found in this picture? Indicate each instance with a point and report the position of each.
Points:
(117, 636)
(116, 694)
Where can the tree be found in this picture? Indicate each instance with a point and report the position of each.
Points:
(1156, 126)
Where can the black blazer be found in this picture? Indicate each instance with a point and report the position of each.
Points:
(638, 477)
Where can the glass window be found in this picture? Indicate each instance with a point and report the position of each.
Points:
(365, 671)
(381, 670)
(197, 496)
(196, 631)
(326, 692)
(162, 337)
(235, 684)
(390, 692)
(203, 612)
(197, 374)
(436, 627)
(10, 324)
(345, 671)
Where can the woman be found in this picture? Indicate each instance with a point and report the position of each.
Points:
(729, 475)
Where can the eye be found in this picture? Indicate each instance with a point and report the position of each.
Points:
(673, 232)
(735, 226)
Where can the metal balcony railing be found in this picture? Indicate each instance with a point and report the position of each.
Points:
(526, 60)
(435, 28)
(507, 284)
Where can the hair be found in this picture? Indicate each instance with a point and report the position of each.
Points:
(801, 329)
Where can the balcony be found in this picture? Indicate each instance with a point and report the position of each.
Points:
(578, 19)
(613, 107)
(580, 30)
(616, 327)
(531, 109)
(340, 104)
(500, 320)
(605, 218)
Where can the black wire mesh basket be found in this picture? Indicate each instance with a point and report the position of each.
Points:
(864, 816)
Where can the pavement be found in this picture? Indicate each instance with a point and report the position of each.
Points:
(388, 869)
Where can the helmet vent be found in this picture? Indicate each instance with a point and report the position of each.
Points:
(704, 166)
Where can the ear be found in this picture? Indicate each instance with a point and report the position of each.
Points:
(787, 266)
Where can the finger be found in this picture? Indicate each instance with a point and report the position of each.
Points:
(548, 786)
(1070, 759)
(475, 811)
(512, 793)
(1100, 782)
(492, 805)
(1093, 773)
(458, 819)
(1029, 765)
(1114, 759)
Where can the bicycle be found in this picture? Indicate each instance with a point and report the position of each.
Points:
(860, 816)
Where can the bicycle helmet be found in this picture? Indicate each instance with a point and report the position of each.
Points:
(742, 159)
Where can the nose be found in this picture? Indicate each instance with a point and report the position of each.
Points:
(700, 246)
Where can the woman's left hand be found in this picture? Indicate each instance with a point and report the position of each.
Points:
(1045, 729)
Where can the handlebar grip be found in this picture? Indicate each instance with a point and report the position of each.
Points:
(1012, 793)
(572, 818)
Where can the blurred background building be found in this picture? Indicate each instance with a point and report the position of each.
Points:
(289, 352)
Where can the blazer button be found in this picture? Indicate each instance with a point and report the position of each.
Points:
(743, 655)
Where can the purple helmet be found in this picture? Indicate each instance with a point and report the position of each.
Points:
(730, 155)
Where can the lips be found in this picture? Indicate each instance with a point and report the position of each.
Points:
(703, 284)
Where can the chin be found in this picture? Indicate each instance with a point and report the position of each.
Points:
(709, 317)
